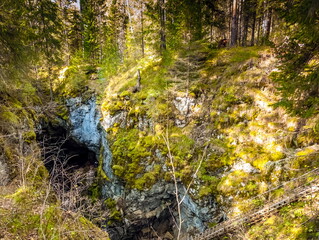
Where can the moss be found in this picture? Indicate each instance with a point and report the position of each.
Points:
(39, 175)
(115, 214)
(233, 89)
(63, 112)
(10, 117)
(261, 161)
(292, 222)
(29, 136)
(36, 216)
(95, 191)
(305, 152)
(101, 175)
(125, 94)
(131, 149)
(232, 181)
(147, 180)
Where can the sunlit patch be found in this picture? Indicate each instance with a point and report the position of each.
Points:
(271, 220)
(258, 140)
(296, 230)
(62, 73)
(292, 124)
(236, 211)
(264, 105)
(305, 152)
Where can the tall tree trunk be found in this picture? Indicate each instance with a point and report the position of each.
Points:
(258, 32)
(245, 22)
(50, 82)
(239, 21)
(162, 23)
(230, 18)
(266, 22)
(253, 28)
(142, 30)
(234, 24)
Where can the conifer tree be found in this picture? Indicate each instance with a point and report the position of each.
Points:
(299, 73)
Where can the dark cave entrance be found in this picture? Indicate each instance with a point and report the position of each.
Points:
(58, 147)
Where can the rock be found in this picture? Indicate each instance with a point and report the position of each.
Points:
(158, 203)
(84, 121)
(245, 167)
(184, 104)
(109, 121)
(85, 128)
(152, 207)
(4, 173)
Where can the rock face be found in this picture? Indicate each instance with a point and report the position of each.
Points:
(155, 207)
(84, 120)
(4, 175)
(86, 129)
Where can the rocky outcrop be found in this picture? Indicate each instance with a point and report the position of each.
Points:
(84, 121)
(143, 212)
(4, 175)
(152, 212)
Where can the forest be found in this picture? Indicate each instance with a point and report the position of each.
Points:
(38, 38)
(159, 119)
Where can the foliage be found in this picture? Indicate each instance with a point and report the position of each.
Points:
(298, 72)
(26, 216)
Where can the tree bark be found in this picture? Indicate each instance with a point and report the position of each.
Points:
(142, 30)
(234, 24)
(258, 32)
(162, 23)
(266, 26)
(245, 22)
(253, 28)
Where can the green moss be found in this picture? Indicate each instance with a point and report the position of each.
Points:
(101, 175)
(95, 191)
(243, 54)
(125, 94)
(29, 136)
(131, 151)
(9, 117)
(147, 180)
(115, 214)
(63, 112)
(293, 222)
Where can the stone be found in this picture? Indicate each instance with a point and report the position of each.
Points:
(4, 174)
(245, 167)
(84, 121)
(184, 104)
(109, 120)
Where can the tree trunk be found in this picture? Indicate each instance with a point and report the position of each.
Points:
(240, 16)
(142, 30)
(258, 32)
(162, 23)
(245, 16)
(234, 24)
(252, 42)
(266, 23)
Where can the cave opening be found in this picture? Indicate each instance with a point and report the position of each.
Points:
(60, 148)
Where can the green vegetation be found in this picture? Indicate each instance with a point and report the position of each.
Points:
(28, 212)
(294, 221)
(245, 125)
(180, 97)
